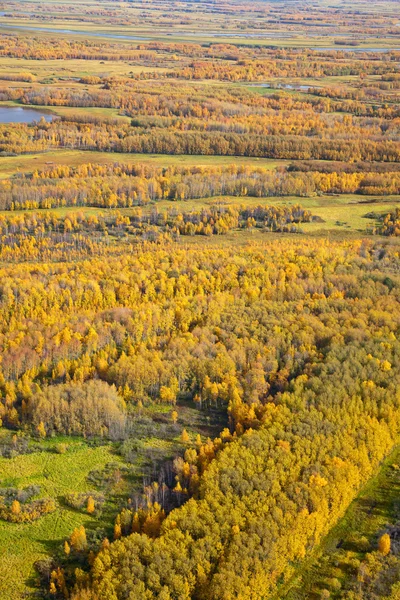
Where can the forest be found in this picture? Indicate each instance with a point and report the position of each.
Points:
(199, 300)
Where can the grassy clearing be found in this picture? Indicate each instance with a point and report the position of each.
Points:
(344, 215)
(26, 163)
(57, 474)
(54, 69)
(376, 506)
(71, 111)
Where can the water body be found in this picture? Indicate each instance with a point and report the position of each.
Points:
(17, 114)
(219, 34)
(283, 86)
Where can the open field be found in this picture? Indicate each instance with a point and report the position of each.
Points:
(51, 71)
(12, 165)
(56, 475)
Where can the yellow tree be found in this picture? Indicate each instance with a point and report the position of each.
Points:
(185, 437)
(384, 544)
(41, 429)
(78, 539)
(117, 531)
(15, 507)
(90, 505)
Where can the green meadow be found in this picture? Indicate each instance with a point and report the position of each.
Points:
(57, 475)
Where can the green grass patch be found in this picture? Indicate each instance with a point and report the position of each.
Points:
(26, 163)
(340, 215)
(56, 474)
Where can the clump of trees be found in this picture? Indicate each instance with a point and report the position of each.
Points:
(19, 505)
(89, 408)
(284, 499)
(389, 224)
(90, 502)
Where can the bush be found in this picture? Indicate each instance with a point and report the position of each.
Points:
(8, 495)
(61, 448)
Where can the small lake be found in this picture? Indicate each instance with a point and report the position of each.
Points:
(17, 114)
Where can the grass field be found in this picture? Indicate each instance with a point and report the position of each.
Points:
(56, 474)
(345, 214)
(26, 163)
(52, 69)
(68, 111)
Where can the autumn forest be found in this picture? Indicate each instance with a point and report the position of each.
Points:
(199, 300)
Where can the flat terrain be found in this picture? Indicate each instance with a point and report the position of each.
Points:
(56, 475)
(26, 163)
(203, 318)
(181, 22)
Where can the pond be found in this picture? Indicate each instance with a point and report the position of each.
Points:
(284, 86)
(18, 114)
